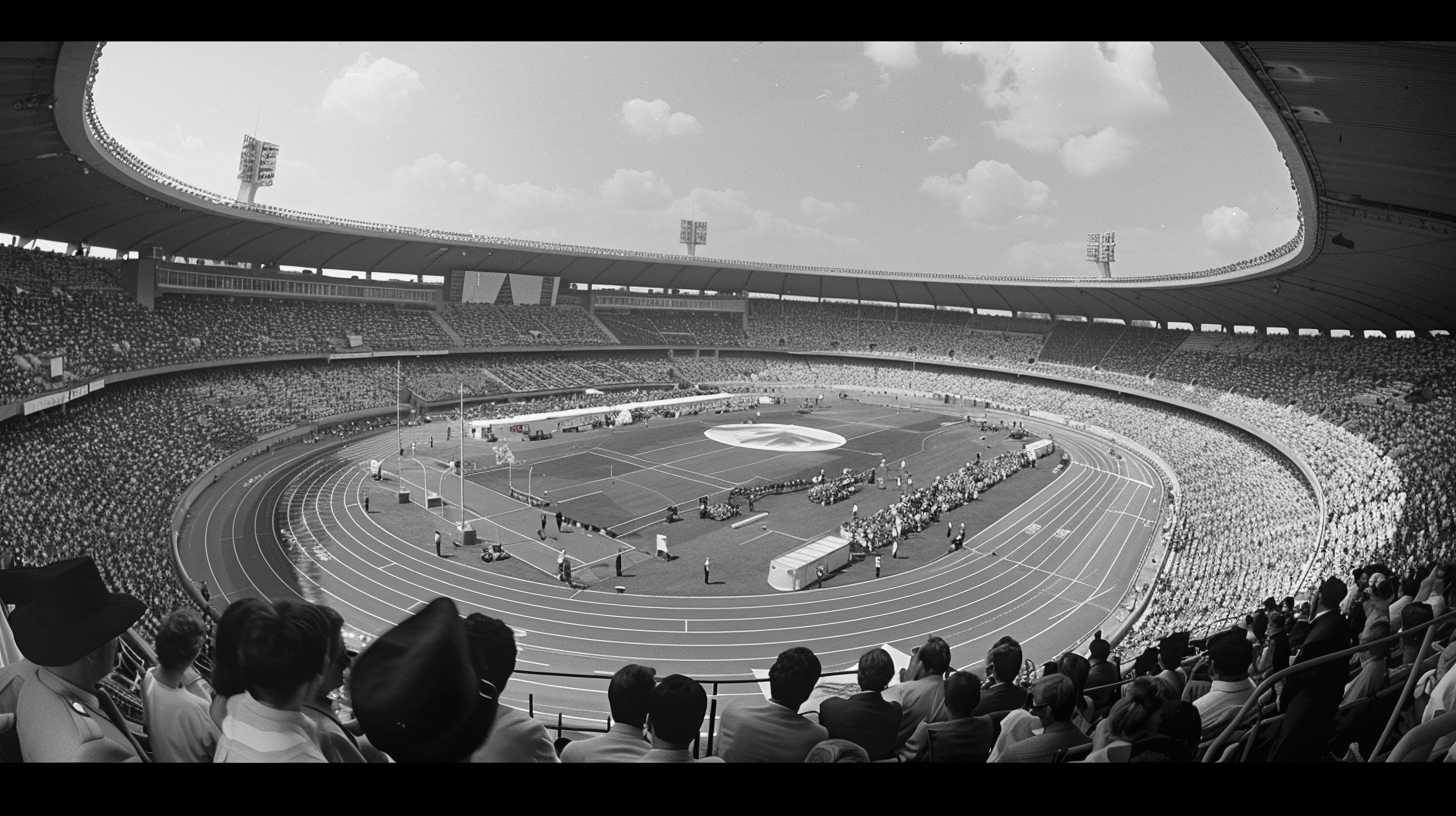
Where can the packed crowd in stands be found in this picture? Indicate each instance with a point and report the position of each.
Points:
(101, 478)
(656, 327)
(481, 325)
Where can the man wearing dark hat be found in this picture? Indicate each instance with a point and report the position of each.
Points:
(415, 690)
(70, 628)
(1231, 653)
(1311, 697)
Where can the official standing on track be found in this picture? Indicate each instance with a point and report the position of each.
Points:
(895, 548)
(366, 504)
(707, 566)
(541, 534)
(559, 518)
(877, 566)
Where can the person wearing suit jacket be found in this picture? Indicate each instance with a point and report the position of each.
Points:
(866, 719)
(922, 694)
(773, 730)
(1004, 663)
(962, 738)
(1310, 698)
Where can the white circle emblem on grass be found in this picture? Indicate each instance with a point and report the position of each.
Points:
(782, 438)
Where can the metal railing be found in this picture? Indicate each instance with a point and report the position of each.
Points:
(1215, 748)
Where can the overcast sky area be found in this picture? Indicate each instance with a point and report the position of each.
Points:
(951, 158)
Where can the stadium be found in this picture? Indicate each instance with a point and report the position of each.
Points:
(468, 485)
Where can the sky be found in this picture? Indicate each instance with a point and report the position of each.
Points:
(929, 157)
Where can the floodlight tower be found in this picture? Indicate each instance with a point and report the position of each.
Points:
(692, 233)
(256, 167)
(1102, 250)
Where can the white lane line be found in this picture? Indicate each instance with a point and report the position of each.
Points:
(1113, 473)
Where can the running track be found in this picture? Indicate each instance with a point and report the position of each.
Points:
(1063, 561)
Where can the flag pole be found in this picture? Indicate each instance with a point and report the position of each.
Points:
(462, 458)
(398, 444)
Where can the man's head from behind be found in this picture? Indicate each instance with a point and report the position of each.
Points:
(675, 710)
(492, 649)
(179, 639)
(934, 656)
(876, 670)
(630, 693)
(1099, 649)
(962, 693)
(1005, 660)
(1231, 653)
(793, 675)
(1076, 667)
(282, 652)
(1332, 593)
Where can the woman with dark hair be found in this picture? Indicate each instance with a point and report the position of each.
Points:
(227, 672)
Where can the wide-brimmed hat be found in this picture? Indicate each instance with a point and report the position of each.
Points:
(416, 692)
(64, 611)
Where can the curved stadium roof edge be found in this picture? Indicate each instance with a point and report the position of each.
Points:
(1375, 250)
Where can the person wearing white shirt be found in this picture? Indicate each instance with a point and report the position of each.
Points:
(514, 736)
(175, 698)
(1231, 653)
(629, 696)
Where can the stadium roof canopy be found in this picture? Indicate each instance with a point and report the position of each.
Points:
(1367, 129)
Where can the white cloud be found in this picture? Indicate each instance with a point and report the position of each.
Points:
(1090, 155)
(369, 91)
(1033, 259)
(896, 55)
(636, 190)
(474, 200)
(1049, 94)
(991, 193)
(942, 142)
(825, 211)
(845, 103)
(1227, 227)
(656, 119)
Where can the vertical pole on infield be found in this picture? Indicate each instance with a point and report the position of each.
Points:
(462, 460)
(399, 445)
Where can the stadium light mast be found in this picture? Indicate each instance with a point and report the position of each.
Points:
(257, 167)
(1102, 250)
(398, 443)
(692, 233)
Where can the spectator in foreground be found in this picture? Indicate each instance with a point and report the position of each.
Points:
(1311, 697)
(867, 718)
(70, 631)
(1004, 664)
(1132, 718)
(774, 731)
(175, 711)
(1054, 702)
(417, 692)
(1230, 653)
(1101, 673)
(837, 750)
(227, 670)
(961, 738)
(629, 696)
(675, 713)
(514, 736)
(922, 694)
(1176, 738)
(336, 739)
(282, 654)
